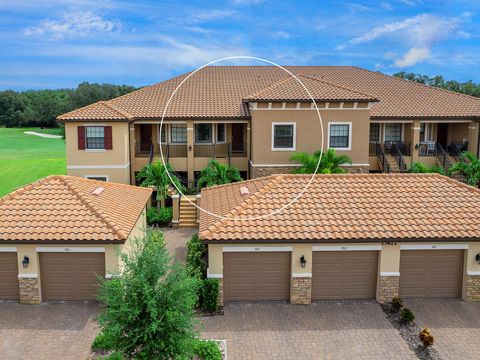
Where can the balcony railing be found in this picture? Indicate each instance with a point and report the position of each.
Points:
(428, 148)
(398, 156)
(211, 150)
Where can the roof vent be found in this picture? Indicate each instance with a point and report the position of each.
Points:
(98, 191)
(244, 190)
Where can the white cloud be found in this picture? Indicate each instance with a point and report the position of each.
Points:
(209, 15)
(412, 57)
(282, 35)
(411, 2)
(73, 24)
(247, 2)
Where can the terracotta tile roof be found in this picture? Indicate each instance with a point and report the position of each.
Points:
(289, 89)
(63, 208)
(347, 207)
(218, 92)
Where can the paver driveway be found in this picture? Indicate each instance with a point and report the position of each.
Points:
(325, 330)
(52, 330)
(454, 323)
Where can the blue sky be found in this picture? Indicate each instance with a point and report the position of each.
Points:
(59, 43)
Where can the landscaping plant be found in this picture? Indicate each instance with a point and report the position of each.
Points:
(218, 174)
(207, 350)
(149, 306)
(209, 295)
(426, 338)
(397, 303)
(330, 163)
(424, 169)
(195, 261)
(160, 217)
(406, 316)
(469, 170)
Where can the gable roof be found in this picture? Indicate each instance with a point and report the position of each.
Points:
(344, 207)
(63, 208)
(219, 91)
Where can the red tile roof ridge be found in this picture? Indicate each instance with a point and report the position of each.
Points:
(212, 188)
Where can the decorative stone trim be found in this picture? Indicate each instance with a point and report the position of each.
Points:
(387, 288)
(29, 290)
(356, 169)
(220, 292)
(301, 290)
(258, 172)
(472, 291)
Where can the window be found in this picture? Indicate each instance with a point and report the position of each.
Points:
(339, 136)
(203, 133)
(393, 132)
(97, 177)
(374, 133)
(95, 136)
(425, 132)
(220, 133)
(163, 133)
(283, 135)
(178, 133)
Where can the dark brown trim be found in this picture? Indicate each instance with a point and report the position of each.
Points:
(400, 117)
(61, 242)
(310, 100)
(335, 241)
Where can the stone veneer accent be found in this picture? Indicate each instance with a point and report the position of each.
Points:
(357, 169)
(220, 292)
(257, 172)
(29, 290)
(472, 292)
(387, 288)
(301, 290)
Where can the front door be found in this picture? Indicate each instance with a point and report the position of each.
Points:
(237, 138)
(145, 137)
(442, 134)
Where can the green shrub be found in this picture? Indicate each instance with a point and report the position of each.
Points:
(196, 252)
(113, 356)
(426, 338)
(406, 316)
(207, 350)
(162, 216)
(209, 294)
(103, 341)
(423, 169)
(397, 303)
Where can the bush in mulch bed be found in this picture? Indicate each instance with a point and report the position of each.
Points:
(418, 341)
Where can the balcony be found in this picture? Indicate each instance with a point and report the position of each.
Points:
(405, 148)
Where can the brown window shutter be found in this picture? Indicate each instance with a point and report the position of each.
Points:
(108, 137)
(81, 137)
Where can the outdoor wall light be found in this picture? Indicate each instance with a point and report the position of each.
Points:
(417, 146)
(25, 261)
(477, 257)
(190, 148)
(303, 261)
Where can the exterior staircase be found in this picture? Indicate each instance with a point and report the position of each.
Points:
(393, 164)
(188, 212)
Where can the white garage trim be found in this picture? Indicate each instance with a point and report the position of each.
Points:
(389, 273)
(71, 249)
(27, 276)
(347, 247)
(8, 249)
(434, 247)
(301, 275)
(473, 273)
(256, 248)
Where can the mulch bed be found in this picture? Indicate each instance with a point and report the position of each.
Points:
(409, 332)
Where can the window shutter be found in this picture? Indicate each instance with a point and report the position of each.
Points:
(108, 137)
(81, 137)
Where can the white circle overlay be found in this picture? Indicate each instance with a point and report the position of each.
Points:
(244, 57)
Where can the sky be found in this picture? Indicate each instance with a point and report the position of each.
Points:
(60, 43)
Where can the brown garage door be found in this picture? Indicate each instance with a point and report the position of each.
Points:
(344, 274)
(8, 276)
(431, 273)
(256, 276)
(71, 276)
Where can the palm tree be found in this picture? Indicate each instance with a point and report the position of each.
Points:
(218, 174)
(330, 163)
(420, 168)
(469, 170)
(155, 175)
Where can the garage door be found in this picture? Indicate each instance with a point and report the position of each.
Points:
(71, 276)
(256, 276)
(431, 273)
(8, 276)
(344, 274)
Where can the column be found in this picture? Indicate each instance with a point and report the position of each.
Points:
(131, 131)
(415, 140)
(472, 275)
(29, 275)
(301, 280)
(249, 133)
(389, 273)
(176, 210)
(190, 152)
(473, 138)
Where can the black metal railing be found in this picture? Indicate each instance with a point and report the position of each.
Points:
(456, 150)
(442, 157)
(398, 156)
(143, 149)
(382, 158)
(150, 157)
(427, 149)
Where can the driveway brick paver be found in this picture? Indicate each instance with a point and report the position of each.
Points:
(323, 330)
(52, 330)
(454, 323)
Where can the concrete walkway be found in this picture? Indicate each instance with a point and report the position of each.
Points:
(49, 136)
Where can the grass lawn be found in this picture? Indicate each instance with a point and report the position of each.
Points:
(26, 158)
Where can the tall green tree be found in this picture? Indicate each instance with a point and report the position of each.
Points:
(149, 306)
(330, 162)
(470, 170)
(218, 174)
(156, 175)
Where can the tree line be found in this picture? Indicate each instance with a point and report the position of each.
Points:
(468, 87)
(41, 107)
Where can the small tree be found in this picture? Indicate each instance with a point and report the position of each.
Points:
(218, 174)
(149, 307)
(156, 175)
(330, 162)
(469, 170)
